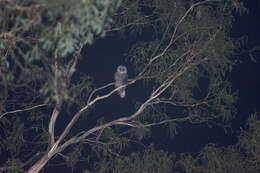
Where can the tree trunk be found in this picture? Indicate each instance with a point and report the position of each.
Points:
(39, 164)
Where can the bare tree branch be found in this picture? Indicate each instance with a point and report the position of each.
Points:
(190, 62)
(154, 95)
(22, 110)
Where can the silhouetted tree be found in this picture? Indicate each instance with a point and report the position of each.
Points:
(185, 60)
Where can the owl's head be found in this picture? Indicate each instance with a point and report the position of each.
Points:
(122, 69)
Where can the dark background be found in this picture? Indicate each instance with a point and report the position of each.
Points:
(102, 58)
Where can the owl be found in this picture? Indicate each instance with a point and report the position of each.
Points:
(121, 79)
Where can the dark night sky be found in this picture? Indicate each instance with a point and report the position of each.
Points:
(101, 60)
(190, 138)
(244, 77)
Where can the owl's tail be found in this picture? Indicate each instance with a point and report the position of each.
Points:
(121, 92)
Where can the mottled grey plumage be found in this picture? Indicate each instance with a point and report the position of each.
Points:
(121, 79)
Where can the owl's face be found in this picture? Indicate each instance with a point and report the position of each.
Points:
(122, 69)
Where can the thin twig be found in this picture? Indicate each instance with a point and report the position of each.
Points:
(22, 110)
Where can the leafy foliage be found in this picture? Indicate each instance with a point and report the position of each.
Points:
(201, 37)
(12, 141)
(242, 157)
(39, 34)
(14, 166)
(148, 161)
